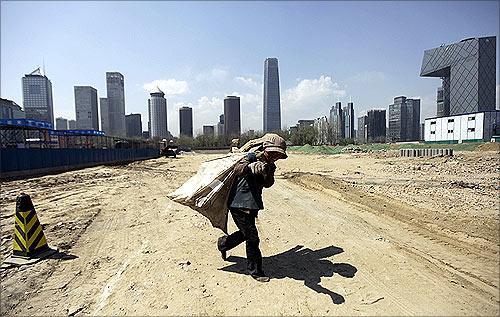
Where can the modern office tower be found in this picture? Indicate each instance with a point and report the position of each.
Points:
(468, 71)
(362, 129)
(86, 109)
(157, 109)
(208, 130)
(72, 124)
(10, 110)
(336, 122)
(37, 97)
(220, 125)
(116, 103)
(321, 129)
(348, 121)
(375, 126)
(61, 124)
(232, 121)
(404, 120)
(186, 122)
(272, 108)
(104, 115)
(133, 125)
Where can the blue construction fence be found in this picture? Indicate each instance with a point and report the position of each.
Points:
(19, 162)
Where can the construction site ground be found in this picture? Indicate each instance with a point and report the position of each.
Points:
(348, 234)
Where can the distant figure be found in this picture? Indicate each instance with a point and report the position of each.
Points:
(254, 172)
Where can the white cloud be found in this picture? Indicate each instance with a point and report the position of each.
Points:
(309, 99)
(168, 86)
(248, 83)
(215, 75)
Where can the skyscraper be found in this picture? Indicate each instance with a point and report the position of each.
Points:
(116, 103)
(375, 126)
(232, 121)
(468, 70)
(61, 124)
(362, 129)
(348, 121)
(404, 120)
(133, 125)
(336, 123)
(220, 125)
(157, 109)
(272, 108)
(37, 97)
(104, 115)
(87, 117)
(186, 122)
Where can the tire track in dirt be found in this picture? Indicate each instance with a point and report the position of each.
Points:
(484, 284)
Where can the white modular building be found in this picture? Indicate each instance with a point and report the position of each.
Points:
(478, 126)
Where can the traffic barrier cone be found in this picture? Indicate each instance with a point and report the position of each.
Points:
(29, 244)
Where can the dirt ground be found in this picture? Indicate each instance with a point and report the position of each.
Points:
(351, 234)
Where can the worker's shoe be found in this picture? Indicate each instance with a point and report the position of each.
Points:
(261, 277)
(220, 243)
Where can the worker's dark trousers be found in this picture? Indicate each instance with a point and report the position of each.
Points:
(247, 232)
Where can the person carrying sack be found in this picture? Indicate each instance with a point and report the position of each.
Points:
(254, 172)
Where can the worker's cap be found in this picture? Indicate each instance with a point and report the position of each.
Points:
(275, 143)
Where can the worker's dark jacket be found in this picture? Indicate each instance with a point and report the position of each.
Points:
(246, 192)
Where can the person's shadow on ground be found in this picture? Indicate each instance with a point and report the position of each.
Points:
(301, 264)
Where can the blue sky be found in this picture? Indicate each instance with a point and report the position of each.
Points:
(199, 52)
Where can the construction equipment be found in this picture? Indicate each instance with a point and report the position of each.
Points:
(168, 149)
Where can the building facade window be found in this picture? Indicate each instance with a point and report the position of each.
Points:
(471, 129)
(472, 118)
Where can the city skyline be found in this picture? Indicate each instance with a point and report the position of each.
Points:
(313, 75)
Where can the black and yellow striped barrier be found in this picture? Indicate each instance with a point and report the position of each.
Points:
(29, 239)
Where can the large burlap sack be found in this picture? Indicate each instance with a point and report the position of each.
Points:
(207, 191)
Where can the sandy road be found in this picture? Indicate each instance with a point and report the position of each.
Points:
(331, 249)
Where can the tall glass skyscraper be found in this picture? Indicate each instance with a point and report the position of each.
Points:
(157, 109)
(87, 116)
(37, 97)
(116, 103)
(336, 123)
(375, 126)
(272, 108)
(348, 121)
(232, 121)
(186, 121)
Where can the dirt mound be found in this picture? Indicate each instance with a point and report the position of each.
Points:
(491, 146)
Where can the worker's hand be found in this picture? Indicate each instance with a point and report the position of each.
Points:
(257, 168)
